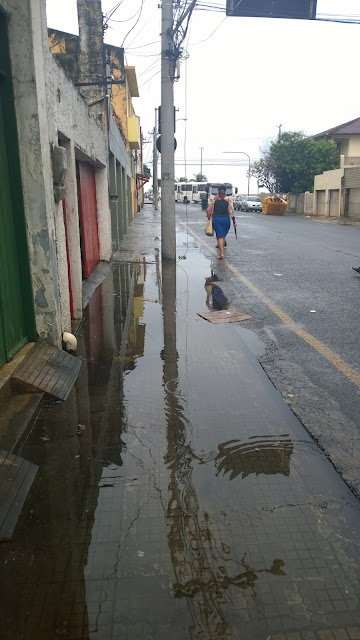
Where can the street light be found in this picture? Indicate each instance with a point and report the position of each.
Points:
(201, 150)
(245, 154)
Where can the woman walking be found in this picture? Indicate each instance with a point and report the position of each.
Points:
(221, 211)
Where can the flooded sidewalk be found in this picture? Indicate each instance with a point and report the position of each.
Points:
(174, 495)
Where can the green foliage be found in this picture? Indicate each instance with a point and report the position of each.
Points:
(147, 171)
(290, 164)
(182, 179)
(199, 177)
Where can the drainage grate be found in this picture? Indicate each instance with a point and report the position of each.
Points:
(48, 369)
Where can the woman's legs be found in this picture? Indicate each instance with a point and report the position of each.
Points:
(221, 243)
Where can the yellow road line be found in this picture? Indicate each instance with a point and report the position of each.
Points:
(316, 344)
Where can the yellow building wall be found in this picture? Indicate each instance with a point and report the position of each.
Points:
(57, 45)
(133, 132)
(119, 97)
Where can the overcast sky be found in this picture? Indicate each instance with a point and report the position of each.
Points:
(243, 78)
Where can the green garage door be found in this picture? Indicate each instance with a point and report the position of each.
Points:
(16, 306)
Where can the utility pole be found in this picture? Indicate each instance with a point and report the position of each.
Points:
(168, 234)
(155, 167)
(201, 150)
(279, 134)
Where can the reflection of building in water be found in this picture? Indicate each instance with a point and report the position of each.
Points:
(260, 454)
(122, 310)
(67, 508)
(136, 343)
(204, 565)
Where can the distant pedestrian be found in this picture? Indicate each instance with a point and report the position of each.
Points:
(220, 210)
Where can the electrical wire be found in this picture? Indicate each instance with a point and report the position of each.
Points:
(143, 27)
(127, 19)
(142, 45)
(152, 65)
(146, 81)
(211, 34)
(111, 13)
(133, 27)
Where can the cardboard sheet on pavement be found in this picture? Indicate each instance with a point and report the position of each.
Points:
(216, 317)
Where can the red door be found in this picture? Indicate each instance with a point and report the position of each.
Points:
(68, 261)
(88, 217)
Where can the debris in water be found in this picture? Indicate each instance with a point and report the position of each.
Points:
(216, 317)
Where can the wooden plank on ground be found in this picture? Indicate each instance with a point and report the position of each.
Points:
(17, 476)
(48, 369)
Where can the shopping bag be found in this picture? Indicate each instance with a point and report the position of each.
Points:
(209, 228)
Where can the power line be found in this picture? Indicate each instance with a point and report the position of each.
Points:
(150, 67)
(127, 19)
(141, 46)
(148, 80)
(211, 34)
(133, 27)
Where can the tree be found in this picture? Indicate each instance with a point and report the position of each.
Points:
(290, 163)
(199, 177)
(183, 179)
(147, 171)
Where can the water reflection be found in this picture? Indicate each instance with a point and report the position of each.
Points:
(215, 297)
(246, 579)
(260, 454)
(54, 584)
(204, 565)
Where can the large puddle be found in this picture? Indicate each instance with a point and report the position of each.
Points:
(176, 495)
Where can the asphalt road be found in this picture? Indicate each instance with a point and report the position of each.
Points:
(293, 275)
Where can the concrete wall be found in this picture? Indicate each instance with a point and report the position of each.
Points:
(49, 112)
(68, 50)
(353, 205)
(329, 192)
(329, 179)
(328, 199)
(28, 71)
(295, 203)
(354, 146)
(83, 139)
(349, 146)
(300, 203)
(120, 171)
(309, 203)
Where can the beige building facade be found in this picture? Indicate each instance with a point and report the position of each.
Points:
(337, 192)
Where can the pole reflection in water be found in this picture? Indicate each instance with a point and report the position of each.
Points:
(204, 566)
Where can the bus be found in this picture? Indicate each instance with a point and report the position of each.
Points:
(189, 191)
(211, 189)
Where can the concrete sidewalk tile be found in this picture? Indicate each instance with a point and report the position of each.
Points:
(325, 635)
(340, 634)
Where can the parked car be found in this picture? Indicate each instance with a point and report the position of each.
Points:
(237, 202)
(251, 203)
